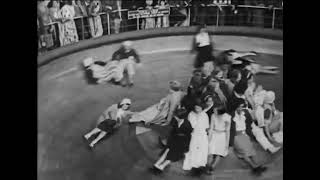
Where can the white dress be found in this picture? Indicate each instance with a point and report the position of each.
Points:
(218, 144)
(198, 148)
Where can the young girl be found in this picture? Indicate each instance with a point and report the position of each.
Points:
(110, 120)
(178, 142)
(197, 156)
(219, 135)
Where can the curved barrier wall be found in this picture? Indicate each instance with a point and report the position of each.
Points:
(143, 34)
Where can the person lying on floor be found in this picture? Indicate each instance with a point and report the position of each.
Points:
(102, 72)
(110, 120)
(178, 141)
(162, 112)
(243, 61)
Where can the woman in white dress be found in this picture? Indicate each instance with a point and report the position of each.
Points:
(162, 112)
(219, 135)
(197, 155)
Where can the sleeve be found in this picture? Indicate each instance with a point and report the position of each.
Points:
(105, 115)
(232, 130)
(206, 121)
(136, 56)
(191, 120)
(259, 116)
(116, 55)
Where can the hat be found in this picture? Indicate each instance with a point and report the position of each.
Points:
(127, 43)
(175, 85)
(269, 97)
(125, 101)
(88, 61)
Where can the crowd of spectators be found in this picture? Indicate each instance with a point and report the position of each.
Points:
(62, 22)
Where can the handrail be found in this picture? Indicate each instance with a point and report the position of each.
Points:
(274, 9)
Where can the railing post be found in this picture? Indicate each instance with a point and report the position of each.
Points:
(108, 20)
(138, 25)
(217, 16)
(189, 15)
(82, 27)
(273, 17)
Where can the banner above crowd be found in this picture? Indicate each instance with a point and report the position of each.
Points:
(147, 13)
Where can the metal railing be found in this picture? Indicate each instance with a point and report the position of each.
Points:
(243, 16)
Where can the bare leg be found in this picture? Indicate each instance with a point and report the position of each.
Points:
(92, 132)
(162, 158)
(101, 135)
(216, 161)
(250, 161)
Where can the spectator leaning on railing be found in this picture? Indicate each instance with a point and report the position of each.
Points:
(44, 19)
(69, 33)
(94, 19)
(56, 16)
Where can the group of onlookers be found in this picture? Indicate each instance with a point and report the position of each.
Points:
(83, 19)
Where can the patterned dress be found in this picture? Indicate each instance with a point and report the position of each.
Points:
(68, 30)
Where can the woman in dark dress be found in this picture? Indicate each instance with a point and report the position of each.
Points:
(178, 142)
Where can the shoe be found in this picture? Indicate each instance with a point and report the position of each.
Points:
(130, 85)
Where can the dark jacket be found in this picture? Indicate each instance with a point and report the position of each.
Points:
(249, 121)
(179, 140)
(121, 54)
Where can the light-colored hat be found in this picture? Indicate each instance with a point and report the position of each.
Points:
(175, 85)
(269, 97)
(127, 43)
(88, 61)
(125, 101)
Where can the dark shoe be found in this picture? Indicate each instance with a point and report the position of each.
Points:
(154, 170)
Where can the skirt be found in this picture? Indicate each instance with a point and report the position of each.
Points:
(204, 55)
(107, 125)
(177, 145)
(243, 146)
(218, 144)
(198, 152)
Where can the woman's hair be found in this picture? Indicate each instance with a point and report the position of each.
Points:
(240, 87)
(50, 4)
(181, 113)
(120, 105)
(199, 103)
(221, 110)
(234, 74)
